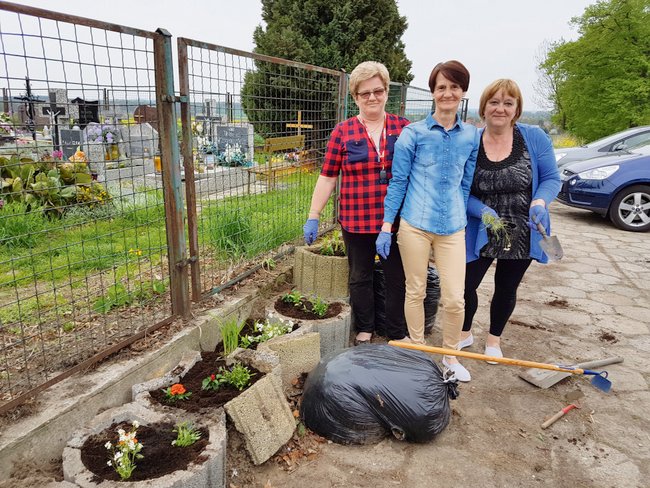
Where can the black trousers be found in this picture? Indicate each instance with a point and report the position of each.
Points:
(507, 277)
(361, 251)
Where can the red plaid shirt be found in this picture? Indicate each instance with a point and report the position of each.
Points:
(351, 153)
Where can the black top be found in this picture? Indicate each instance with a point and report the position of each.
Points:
(506, 187)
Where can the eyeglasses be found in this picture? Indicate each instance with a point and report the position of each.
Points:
(378, 93)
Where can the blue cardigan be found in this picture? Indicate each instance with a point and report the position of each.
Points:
(546, 185)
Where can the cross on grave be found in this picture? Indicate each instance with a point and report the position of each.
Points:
(300, 125)
(54, 111)
(29, 100)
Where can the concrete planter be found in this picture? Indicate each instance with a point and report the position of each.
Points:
(260, 413)
(209, 473)
(325, 276)
(334, 332)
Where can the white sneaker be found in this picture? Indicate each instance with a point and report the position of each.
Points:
(458, 370)
(468, 341)
(494, 351)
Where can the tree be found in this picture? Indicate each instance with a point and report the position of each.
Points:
(603, 78)
(336, 35)
(547, 85)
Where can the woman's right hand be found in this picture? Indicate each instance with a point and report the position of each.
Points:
(310, 231)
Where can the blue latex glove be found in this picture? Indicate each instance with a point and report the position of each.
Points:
(310, 231)
(537, 213)
(383, 244)
(489, 211)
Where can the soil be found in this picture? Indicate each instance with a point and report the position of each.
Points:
(201, 399)
(160, 457)
(304, 312)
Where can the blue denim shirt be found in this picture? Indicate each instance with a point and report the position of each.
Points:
(432, 174)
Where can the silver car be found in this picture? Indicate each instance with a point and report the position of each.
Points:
(602, 147)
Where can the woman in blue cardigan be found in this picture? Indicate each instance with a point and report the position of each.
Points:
(516, 178)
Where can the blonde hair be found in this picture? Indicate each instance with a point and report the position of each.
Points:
(366, 70)
(510, 88)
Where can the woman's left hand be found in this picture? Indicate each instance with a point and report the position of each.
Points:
(537, 213)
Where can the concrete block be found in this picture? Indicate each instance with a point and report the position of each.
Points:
(334, 332)
(262, 415)
(325, 276)
(210, 472)
(297, 352)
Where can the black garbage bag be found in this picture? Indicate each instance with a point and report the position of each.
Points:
(366, 393)
(431, 299)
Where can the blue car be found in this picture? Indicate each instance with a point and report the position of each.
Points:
(614, 186)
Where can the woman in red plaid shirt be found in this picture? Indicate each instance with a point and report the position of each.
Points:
(360, 149)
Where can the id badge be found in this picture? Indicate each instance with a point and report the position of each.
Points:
(383, 180)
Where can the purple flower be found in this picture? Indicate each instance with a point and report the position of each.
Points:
(57, 154)
(2, 203)
(109, 137)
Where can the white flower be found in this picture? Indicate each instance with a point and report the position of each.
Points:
(117, 455)
(110, 463)
(108, 445)
(136, 424)
(121, 432)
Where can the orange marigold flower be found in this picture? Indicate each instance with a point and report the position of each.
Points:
(177, 389)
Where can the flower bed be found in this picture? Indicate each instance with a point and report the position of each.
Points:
(192, 382)
(150, 435)
(333, 324)
(159, 456)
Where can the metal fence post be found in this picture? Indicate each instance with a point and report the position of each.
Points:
(188, 163)
(402, 102)
(165, 102)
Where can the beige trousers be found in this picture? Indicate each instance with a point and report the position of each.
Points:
(415, 246)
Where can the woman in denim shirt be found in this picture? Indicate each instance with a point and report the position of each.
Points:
(433, 167)
(516, 178)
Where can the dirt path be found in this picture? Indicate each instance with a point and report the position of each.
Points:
(592, 304)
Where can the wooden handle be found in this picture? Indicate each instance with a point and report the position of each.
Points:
(557, 416)
(483, 357)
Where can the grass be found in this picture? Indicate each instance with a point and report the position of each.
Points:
(124, 243)
(238, 227)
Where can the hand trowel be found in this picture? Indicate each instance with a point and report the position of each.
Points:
(549, 244)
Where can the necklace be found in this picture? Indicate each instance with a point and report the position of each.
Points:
(372, 129)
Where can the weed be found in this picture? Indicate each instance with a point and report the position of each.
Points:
(265, 331)
(499, 227)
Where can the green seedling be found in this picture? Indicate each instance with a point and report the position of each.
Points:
(186, 435)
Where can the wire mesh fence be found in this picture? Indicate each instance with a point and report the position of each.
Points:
(94, 186)
(258, 128)
(82, 225)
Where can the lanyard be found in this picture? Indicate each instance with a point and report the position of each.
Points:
(381, 147)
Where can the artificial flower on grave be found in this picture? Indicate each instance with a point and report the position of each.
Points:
(102, 133)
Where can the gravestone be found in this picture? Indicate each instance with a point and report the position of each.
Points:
(70, 139)
(84, 111)
(139, 140)
(146, 114)
(232, 134)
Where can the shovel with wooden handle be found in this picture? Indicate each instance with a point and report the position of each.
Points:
(549, 244)
(599, 378)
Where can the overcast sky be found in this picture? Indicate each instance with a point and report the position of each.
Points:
(493, 38)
